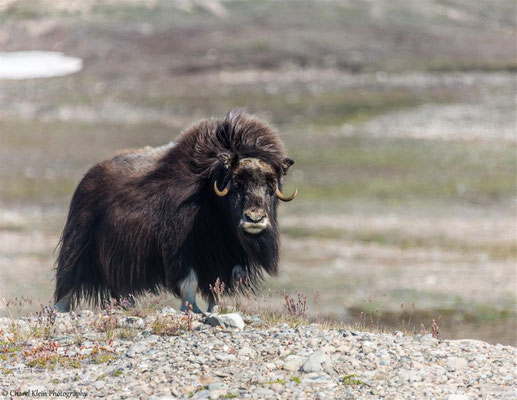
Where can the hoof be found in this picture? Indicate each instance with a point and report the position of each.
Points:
(194, 308)
(62, 307)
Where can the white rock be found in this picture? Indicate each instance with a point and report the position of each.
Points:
(202, 394)
(247, 352)
(132, 322)
(316, 362)
(225, 357)
(270, 366)
(277, 387)
(136, 349)
(216, 386)
(263, 392)
(293, 363)
(233, 320)
(218, 393)
(456, 364)
(167, 311)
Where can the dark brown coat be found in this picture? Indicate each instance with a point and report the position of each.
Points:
(146, 219)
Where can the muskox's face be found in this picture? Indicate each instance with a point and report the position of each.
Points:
(251, 194)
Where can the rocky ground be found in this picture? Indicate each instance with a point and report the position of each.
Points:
(170, 355)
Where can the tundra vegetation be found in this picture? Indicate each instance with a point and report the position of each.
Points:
(401, 119)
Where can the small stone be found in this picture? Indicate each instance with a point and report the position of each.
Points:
(456, 364)
(411, 377)
(167, 311)
(187, 389)
(293, 363)
(196, 325)
(132, 322)
(313, 377)
(143, 389)
(277, 387)
(254, 320)
(87, 351)
(216, 386)
(368, 347)
(136, 348)
(264, 392)
(206, 380)
(85, 314)
(233, 320)
(342, 349)
(270, 366)
(202, 394)
(316, 362)
(329, 349)
(247, 352)
(225, 357)
(216, 394)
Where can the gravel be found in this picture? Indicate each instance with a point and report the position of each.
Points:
(261, 362)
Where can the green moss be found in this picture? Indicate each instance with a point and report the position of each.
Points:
(8, 350)
(281, 381)
(74, 363)
(352, 379)
(51, 362)
(296, 379)
(43, 362)
(102, 358)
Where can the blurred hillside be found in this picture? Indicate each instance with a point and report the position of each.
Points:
(400, 116)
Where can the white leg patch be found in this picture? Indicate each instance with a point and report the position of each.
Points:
(188, 289)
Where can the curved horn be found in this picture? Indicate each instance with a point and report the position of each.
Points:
(285, 198)
(220, 193)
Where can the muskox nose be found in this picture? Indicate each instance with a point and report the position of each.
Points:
(254, 216)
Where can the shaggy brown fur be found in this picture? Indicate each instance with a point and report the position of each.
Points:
(145, 219)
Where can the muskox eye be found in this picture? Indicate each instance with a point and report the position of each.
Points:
(237, 185)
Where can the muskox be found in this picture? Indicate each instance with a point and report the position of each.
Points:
(177, 217)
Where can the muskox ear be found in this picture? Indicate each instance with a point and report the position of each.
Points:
(225, 159)
(286, 164)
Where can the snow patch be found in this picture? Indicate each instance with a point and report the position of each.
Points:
(37, 64)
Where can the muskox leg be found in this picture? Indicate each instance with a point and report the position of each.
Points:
(239, 275)
(212, 303)
(64, 304)
(188, 293)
